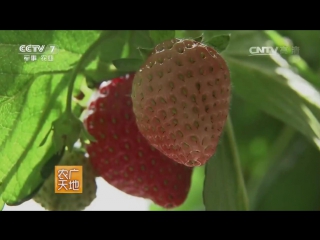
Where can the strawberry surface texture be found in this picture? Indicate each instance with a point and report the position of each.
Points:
(181, 98)
(123, 157)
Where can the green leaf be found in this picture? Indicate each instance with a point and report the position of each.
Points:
(28, 197)
(308, 42)
(28, 114)
(224, 186)
(219, 43)
(159, 36)
(99, 71)
(2, 204)
(145, 52)
(127, 64)
(189, 34)
(70, 43)
(113, 45)
(45, 138)
(304, 70)
(292, 182)
(32, 95)
(51, 159)
(139, 39)
(294, 59)
(270, 84)
(120, 45)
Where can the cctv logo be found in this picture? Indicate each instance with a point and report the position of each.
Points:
(31, 48)
(38, 49)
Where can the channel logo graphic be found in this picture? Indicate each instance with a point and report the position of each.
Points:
(38, 49)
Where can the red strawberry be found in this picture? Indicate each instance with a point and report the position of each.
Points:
(181, 100)
(123, 157)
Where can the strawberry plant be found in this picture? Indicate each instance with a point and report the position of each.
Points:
(231, 128)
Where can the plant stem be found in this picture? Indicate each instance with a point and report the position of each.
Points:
(236, 163)
(79, 67)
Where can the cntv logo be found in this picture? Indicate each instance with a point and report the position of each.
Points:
(263, 51)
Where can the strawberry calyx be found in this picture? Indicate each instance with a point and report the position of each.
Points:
(219, 42)
(198, 39)
(67, 129)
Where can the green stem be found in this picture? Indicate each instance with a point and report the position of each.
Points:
(236, 163)
(79, 67)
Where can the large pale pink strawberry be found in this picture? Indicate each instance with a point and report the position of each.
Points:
(123, 157)
(181, 100)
